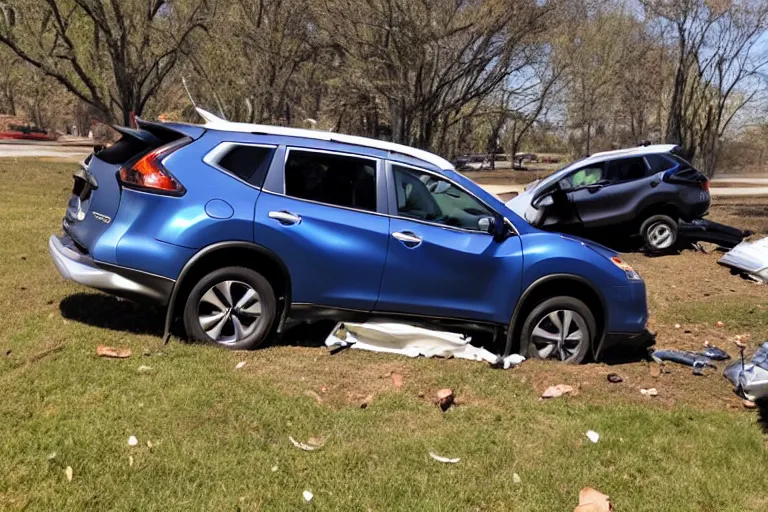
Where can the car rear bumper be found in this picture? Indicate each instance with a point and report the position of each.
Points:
(633, 341)
(79, 267)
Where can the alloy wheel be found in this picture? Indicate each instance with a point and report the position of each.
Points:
(559, 335)
(229, 311)
(660, 236)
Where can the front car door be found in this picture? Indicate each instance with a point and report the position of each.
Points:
(329, 226)
(612, 198)
(441, 263)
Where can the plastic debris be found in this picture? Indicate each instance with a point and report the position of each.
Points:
(750, 379)
(113, 352)
(649, 392)
(132, 441)
(444, 460)
(516, 478)
(239, 365)
(614, 378)
(445, 398)
(512, 360)
(591, 500)
(307, 496)
(69, 473)
(751, 258)
(144, 369)
(557, 391)
(593, 436)
(307, 447)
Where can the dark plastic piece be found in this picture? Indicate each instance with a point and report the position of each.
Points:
(716, 354)
(701, 230)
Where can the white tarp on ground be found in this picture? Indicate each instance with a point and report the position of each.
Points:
(412, 341)
(750, 257)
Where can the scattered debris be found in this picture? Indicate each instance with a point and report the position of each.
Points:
(132, 441)
(144, 368)
(750, 380)
(130, 461)
(751, 258)
(591, 500)
(309, 447)
(748, 404)
(397, 380)
(614, 378)
(445, 398)
(239, 365)
(714, 353)
(114, 352)
(677, 326)
(512, 360)
(307, 496)
(557, 391)
(46, 352)
(444, 460)
(649, 392)
(274, 468)
(367, 401)
(655, 370)
(312, 394)
(412, 341)
(149, 444)
(593, 436)
(698, 361)
(51, 456)
(516, 479)
(69, 473)
(720, 324)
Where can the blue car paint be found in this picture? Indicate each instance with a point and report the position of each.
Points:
(345, 258)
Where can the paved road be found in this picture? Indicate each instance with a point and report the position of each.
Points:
(38, 149)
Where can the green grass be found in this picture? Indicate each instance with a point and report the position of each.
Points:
(216, 432)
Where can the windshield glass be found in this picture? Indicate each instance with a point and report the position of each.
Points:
(556, 176)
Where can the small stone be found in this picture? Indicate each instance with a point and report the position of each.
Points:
(69, 473)
(445, 398)
(649, 392)
(516, 478)
(614, 378)
(655, 370)
(720, 324)
(132, 441)
(274, 469)
(677, 326)
(367, 401)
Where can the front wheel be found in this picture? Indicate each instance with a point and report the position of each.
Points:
(659, 233)
(560, 328)
(234, 307)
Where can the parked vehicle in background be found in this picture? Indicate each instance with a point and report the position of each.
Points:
(646, 191)
(240, 230)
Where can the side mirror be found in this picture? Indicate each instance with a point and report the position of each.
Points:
(487, 225)
(545, 200)
(494, 226)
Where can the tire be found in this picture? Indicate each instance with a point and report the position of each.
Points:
(659, 233)
(232, 320)
(540, 337)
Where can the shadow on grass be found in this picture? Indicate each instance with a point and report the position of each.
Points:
(762, 414)
(112, 313)
(625, 355)
(306, 335)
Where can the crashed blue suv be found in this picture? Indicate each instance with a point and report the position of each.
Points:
(242, 230)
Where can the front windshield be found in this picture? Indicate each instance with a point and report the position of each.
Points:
(556, 176)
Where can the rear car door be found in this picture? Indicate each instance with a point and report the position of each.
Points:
(326, 226)
(614, 197)
(440, 262)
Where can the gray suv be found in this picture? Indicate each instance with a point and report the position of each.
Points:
(644, 191)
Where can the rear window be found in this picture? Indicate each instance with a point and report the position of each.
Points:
(329, 178)
(659, 163)
(249, 163)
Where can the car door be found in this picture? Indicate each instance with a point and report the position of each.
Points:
(326, 226)
(441, 262)
(613, 197)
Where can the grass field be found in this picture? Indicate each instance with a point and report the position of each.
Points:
(219, 435)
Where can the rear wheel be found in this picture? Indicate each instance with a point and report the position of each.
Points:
(560, 328)
(234, 307)
(659, 233)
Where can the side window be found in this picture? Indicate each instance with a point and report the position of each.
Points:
(249, 163)
(658, 163)
(328, 178)
(424, 196)
(585, 176)
(625, 169)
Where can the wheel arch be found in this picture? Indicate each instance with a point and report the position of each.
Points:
(554, 285)
(668, 209)
(224, 254)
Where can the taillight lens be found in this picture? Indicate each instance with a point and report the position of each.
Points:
(705, 185)
(148, 173)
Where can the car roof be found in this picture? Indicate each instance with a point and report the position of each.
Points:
(213, 122)
(603, 156)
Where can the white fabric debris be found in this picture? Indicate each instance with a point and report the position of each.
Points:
(593, 436)
(751, 257)
(412, 341)
(444, 460)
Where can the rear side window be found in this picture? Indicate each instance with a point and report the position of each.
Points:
(249, 163)
(329, 178)
(584, 177)
(625, 169)
(659, 163)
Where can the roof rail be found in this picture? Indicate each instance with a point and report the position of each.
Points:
(216, 123)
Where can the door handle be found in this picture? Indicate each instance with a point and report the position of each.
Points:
(409, 239)
(285, 218)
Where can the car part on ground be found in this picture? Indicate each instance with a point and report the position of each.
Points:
(750, 380)
(703, 230)
(750, 258)
(697, 361)
(659, 233)
(412, 341)
(240, 230)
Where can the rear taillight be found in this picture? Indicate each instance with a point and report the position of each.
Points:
(704, 185)
(148, 173)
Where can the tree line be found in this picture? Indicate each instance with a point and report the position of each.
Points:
(450, 76)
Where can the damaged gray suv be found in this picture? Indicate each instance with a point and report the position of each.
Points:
(645, 191)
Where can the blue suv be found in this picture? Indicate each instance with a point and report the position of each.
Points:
(241, 230)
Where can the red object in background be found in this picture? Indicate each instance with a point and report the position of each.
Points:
(19, 135)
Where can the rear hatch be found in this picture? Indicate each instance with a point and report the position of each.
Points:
(96, 190)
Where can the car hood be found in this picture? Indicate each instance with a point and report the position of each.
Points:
(598, 248)
(522, 202)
